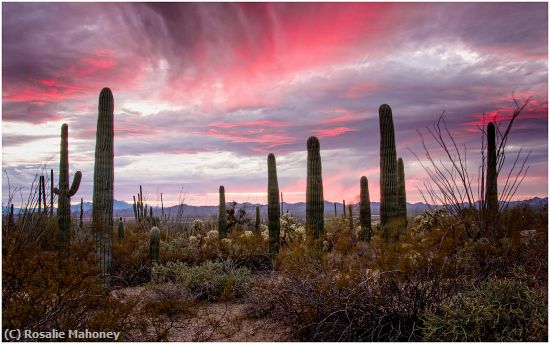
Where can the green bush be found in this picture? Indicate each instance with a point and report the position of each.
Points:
(208, 281)
(499, 310)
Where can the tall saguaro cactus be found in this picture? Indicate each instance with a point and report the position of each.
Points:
(401, 196)
(273, 210)
(315, 224)
(102, 219)
(364, 210)
(388, 174)
(63, 192)
(344, 207)
(491, 194)
(222, 216)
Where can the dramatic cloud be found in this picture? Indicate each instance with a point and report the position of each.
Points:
(203, 92)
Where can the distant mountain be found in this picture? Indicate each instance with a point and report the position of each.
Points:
(124, 209)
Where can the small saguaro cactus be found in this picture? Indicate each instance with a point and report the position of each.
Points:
(102, 215)
(273, 210)
(315, 224)
(282, 203)
(63, 192)
(401, 196)
(222, 215)
(344, 207)
(335, 212)
(350, 210)
(491, 194)
(135, 209)
(388, 174)
(364, 210)
(257, 224)
(51, 192)
(154, 240)
(120, 229)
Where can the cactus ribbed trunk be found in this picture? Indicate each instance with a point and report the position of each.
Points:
(273, 210)
(63, 191)
(364, 210)
(257, 225)
(350, 211)
(401, 196)
(120, 229)
(315, 225)
(388, 175)
(222, 216)
(154, 240)
(102, 219)
(491, 194)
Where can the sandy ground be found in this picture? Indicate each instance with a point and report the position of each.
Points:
(221, 322)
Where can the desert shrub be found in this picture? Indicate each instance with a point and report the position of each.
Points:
(48, 289)
(500, 309)
(208, 281)
(130, 265)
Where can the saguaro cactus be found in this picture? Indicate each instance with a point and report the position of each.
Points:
(491, 194)
(335, 212)
(120, 229)
(44, 195)
(102, 219)
(364, 210)
(401, 196)
(222, 216)
(315, 224)
(388, 174)
(350, 210)
(257, 225)
(273, 210)
(63, 192)
(154, 240)
(282, 204)
(344, 207)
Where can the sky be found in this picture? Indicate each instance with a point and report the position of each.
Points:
(203, 92)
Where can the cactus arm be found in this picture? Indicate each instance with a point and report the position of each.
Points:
(76, 183)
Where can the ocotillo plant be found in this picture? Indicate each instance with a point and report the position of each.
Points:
(81, 223)
(44, 195)
(401, 196)
(120, 229)
(154, 240)
(222, 215)
(64, 193)
(40, 181)
(491, 194)
(257, 225)
(273, 210)
(364, 210)
(350, 210)
(315, 224)
(388, 174)
(102, 216)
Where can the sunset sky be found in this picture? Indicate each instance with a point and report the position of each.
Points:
(203, 92)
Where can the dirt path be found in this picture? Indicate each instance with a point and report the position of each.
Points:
(221, 322)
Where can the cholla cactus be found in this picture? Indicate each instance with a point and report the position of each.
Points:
(212, 235)
(198, 226)
(193, 241)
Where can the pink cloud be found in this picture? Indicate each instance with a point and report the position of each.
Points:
(333, 132)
